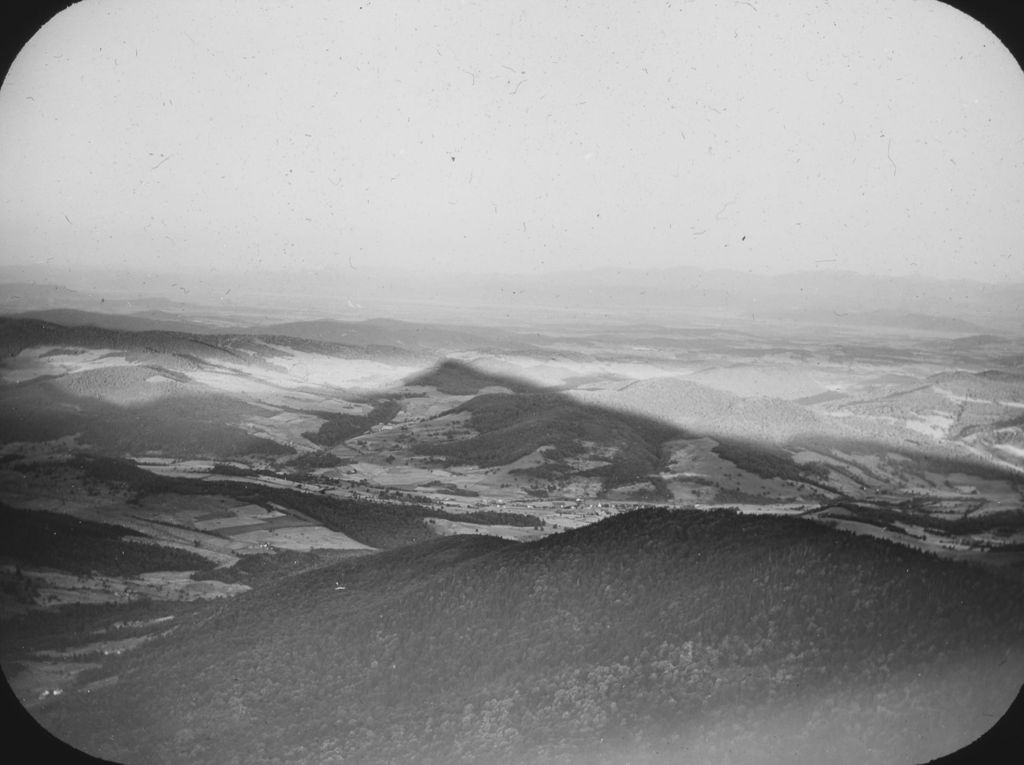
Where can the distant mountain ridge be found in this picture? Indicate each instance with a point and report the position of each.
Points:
(910, 303)
(20, 297)
(119, 333)
(410, 336)
(436, 338)
(130, 322)
(892, 319)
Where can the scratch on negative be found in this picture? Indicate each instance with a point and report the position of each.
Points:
(888, 153)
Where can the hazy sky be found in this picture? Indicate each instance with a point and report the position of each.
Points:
(882, 136)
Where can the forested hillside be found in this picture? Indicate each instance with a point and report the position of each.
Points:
(646, 637)
(39, 538)
(187, 426)
(511, 426)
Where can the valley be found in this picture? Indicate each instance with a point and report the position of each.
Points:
(190, 470)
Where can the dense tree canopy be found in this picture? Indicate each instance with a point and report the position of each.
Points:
(653, 631)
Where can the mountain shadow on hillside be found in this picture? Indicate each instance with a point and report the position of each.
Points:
(620, 448)
(512, 425)
(457, 378)
(632, 446)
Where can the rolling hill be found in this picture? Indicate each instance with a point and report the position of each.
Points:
(176, 393)
(647, 637)
(149, 321)
(890, 319)
(701, 408)
(17, 334)
(511, 426)
(420, 337)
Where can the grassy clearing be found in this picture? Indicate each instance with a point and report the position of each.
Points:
(39, 538)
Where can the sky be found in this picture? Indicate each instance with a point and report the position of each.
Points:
(879, 136)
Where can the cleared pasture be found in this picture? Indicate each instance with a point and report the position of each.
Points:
(301, 538)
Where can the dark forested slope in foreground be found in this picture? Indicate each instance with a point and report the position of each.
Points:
(650, 637)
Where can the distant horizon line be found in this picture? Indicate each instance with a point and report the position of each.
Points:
(53, 273)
